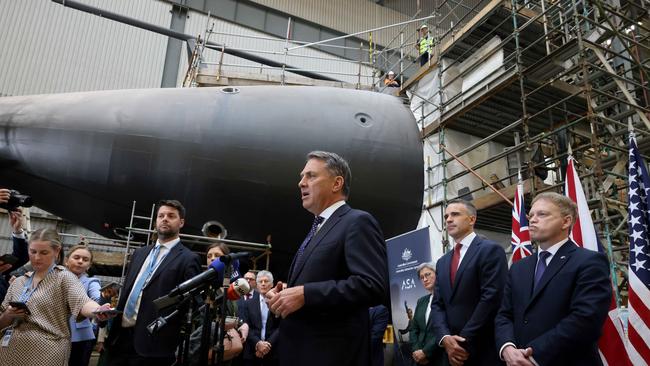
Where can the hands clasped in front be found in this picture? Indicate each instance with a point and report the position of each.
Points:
(455, 352)
(262, 348)
(517, 356)
(283, 302)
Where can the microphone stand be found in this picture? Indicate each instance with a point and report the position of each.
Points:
(206, 330)
(221, 312)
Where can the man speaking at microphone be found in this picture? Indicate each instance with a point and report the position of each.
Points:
(339, 271)
(154, 271)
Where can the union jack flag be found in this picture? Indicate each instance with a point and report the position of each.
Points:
(520, 240)
(639, 266)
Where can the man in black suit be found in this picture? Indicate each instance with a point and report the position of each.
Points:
(153, 272)
(555, 301)
(339, 271)
(468, 290)
(262, 341)
(378, 322)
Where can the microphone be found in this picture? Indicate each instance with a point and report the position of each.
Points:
(238, 289)
(213, 274)
(234, 256)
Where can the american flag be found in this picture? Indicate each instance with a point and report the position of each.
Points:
(520, 238)
(611, 345)
(639, 266)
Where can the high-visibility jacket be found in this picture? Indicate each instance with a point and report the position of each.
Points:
(425, 45)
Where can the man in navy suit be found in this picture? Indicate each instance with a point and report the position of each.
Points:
(468, 290)
(153, 272)
(339, 271)
(555, 302)
(262, 341)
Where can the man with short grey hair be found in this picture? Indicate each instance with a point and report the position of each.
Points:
(339, 271)
(261, 344)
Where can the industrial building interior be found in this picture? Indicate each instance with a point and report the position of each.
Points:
(512, 89)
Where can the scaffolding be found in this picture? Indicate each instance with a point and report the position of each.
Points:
(521, 85)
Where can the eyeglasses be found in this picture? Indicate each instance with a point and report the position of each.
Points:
(426, 275)
(249, 279)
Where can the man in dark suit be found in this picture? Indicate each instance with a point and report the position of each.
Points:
(154, 271)
(468, 290)
(378, 323)
(556, 301)
(262, 341)
(339, 271)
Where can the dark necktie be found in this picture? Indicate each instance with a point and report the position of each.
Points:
(314, 226)
(541, 266)
(455, 259)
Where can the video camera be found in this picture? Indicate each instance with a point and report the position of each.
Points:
(17, 200)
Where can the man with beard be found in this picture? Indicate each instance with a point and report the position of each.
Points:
(153, 272)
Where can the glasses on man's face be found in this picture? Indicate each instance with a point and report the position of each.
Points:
(426, 275)
(249, 279)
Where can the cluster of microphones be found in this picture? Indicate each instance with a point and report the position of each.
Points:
(213, 276)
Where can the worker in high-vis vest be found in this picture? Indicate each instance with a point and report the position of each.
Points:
(424, 45)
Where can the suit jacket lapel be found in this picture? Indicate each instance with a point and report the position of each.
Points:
(173, 255)
(320, 234)
(137, 266)
(256, 313)
(468, 258)
(444, 278)
(558, 261)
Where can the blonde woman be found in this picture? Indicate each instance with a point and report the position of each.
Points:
(38, 333)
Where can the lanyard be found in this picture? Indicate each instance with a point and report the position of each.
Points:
(28, 291)
(154, 264)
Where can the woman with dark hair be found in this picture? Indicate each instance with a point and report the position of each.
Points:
(37, 332)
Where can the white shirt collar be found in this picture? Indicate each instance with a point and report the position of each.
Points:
(555, 247)
(170, 244)
(330, 210)
(466, 241)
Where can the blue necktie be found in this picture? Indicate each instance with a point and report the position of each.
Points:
(314, 226)
(129, 309)
(264, 310)
(541, 266)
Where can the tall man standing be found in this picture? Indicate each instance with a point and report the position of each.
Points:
(555, 301)
(339, 271)
(468, 290)
(154, 271)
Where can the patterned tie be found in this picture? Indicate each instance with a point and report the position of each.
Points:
(314, 226)
(129, 309)
(541, 266)
(455, 259)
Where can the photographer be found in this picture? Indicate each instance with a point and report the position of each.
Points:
(19, 244)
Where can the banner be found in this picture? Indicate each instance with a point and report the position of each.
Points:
(405, 253)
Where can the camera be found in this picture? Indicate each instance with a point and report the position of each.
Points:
(17, 200)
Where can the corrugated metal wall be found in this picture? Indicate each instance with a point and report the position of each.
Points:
(48, 48)
(196, 24)
(347, 16)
